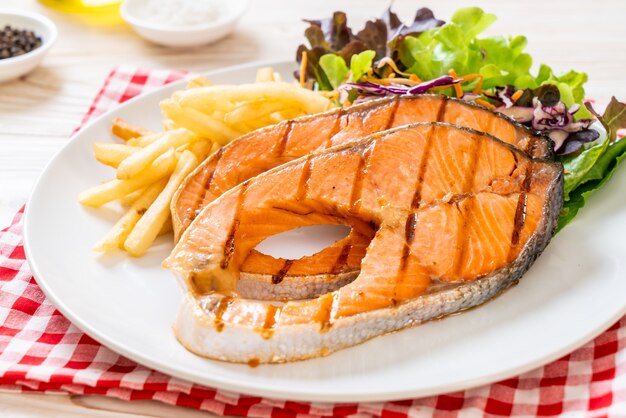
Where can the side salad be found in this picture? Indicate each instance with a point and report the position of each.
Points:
(388, 57)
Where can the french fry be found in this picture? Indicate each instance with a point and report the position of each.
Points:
(126, 131)
(201, 149)
(115, 189)
(144, 141)
(115, 238)
(198, 81)
(206, 106)
(141, 159)
(251, 111)
(278, 77)
(130, 198)
(147, 228)
(112, 154)
(169, 125)
(264, 74)
(199, 123)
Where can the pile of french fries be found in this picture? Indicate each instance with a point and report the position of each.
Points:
(150, 166)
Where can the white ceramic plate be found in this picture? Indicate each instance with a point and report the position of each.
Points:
(574, 291)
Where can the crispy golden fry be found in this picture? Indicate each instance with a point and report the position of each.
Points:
(224, 105)
(141, 159)
(126, 131)
(130, 198)
(169, 125)
(115, 238)
(265, 74)
(115, 189)
(144, 141)
(198, 81)
(201, 149)
(250, 111)
(199, 123)
(112, 154)
(147, 228)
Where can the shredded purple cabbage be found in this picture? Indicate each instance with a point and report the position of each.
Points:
(373, 89)
(568, 134)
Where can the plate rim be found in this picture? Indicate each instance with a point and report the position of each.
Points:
(243, 386)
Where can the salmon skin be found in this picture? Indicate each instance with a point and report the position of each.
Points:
(270, 147)
(464, 215)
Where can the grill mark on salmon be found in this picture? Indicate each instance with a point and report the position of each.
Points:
(278, 277)
(377, 302)
(417, 195)
(392, 115)
(207, 183)
(357, 185)
(303, 186)
(409, 235)
(336, 126)
(229, 248)
(282, 144)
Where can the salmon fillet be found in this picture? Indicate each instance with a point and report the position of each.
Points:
(265, 149)
(464, 216)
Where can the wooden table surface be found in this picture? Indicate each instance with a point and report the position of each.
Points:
(40, 110)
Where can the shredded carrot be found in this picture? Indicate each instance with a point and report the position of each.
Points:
(515, 97)
(303, 65)
(479, 85)
(415, 78)
(486, 93)
(392, 75)
(485, 103)
(457, 87)
(470, 77)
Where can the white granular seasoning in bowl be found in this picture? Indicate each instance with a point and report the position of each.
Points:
(178, 12)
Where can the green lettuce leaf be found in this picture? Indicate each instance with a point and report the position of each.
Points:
(579, 166)
(334, 68)
(599, 174)
(360, 64)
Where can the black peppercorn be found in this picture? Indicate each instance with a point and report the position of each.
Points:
(15, 42)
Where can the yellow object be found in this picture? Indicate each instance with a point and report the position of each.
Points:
(97, 12)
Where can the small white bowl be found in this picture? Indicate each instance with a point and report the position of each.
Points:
(229, 13)
(11, 68)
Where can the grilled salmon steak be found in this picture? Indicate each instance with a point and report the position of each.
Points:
(265, 277)
(458, 216)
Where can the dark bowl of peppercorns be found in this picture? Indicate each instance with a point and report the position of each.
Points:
(25, 38)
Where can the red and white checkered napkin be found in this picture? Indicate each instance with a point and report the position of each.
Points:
(41, 351)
